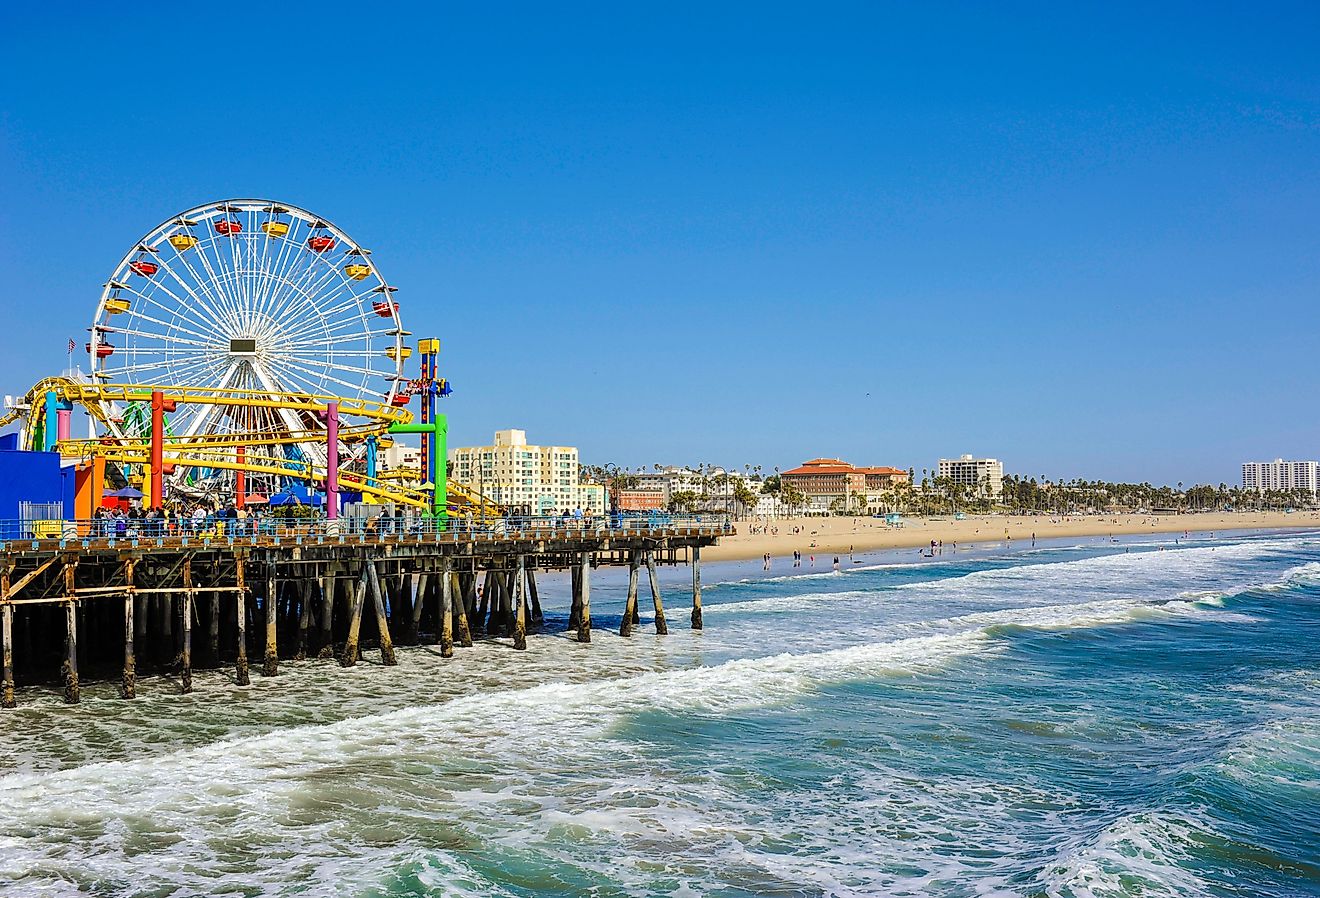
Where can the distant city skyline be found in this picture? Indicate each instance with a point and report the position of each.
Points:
(880, 233)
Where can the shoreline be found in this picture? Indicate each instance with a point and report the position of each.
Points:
(838, 535)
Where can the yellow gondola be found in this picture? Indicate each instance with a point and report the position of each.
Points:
(275, 228)
(392, 353)
(357, 271)
(116, 304)
(183, 241)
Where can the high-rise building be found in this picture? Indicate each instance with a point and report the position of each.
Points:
(539, 480)
(1281, 476)
(981, 476)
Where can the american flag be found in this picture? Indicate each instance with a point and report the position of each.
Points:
(72, 345)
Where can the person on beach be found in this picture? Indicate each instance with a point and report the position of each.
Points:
(836, 563)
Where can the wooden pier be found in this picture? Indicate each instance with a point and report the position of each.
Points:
(109, 607)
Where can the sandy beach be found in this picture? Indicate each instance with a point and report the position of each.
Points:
(837, 535)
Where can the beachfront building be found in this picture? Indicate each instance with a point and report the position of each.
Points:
(979, 476)
(1281, 476)
(399, 457)
(539, 480)
(831, 484)
(705, 488)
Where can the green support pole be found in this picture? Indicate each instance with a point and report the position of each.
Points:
(439, 429)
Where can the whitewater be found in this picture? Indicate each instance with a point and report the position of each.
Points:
(1135, 718)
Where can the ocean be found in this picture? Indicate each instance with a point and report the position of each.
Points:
(1094, 718)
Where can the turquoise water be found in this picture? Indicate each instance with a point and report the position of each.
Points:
(1098, 719)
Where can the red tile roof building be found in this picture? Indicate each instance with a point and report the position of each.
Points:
(826, 479)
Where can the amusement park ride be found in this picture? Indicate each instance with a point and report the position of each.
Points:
(239, 350)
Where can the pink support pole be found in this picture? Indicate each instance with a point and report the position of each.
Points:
(332, 460)
(63, 417)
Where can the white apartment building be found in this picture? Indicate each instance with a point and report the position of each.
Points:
(540, 480)
(979, 475)
(1281, 476)
(393, 458)
(716, 484)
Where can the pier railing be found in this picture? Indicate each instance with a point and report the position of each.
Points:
(222, 529)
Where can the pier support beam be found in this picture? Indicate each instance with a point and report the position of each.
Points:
(189, 599)
(584, 614)
(305, 592)
(241, 662)
(483, 599)
(465, 601)
(661, 627)
(271, 660)
(630, 606)
(213, 630)
(128, 684)
(575, 602)
(382, 622)
(446, 608)
(696, 587)
(357, 597)
(519, 609)
(7, 625)
(327, 614)
(415, 586)
(72, 691)
(537, 618)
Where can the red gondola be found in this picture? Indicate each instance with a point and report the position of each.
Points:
(103, 350)
(227, 226)
(319, 243)
(384, 308)
(144, 268)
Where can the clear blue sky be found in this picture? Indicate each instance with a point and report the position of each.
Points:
(1081, 239)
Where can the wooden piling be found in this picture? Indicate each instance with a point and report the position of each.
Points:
(537, 618)
(483, 600)
(241, 662)
(584, 614)
(271, 661)
(357, 597)
(213, 630)
(185, 656)
(519, 611)
(446, 609)
(464, 631)
(304, 593)
(72, 691)
(696, 587)
(630, 606)
(661, 627)
(327, 613)
(417, 584)
(7, 637)
(128, 683)
(575, 593)
(382, 622)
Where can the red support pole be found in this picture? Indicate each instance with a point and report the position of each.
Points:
(157, 449)
(240, 478)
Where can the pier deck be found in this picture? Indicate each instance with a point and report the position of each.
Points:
(104, 605)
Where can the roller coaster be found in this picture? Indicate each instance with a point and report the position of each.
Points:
(258, 347)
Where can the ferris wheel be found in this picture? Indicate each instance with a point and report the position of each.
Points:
(249, 296)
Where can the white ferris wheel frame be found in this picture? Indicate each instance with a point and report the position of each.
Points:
(314, 329)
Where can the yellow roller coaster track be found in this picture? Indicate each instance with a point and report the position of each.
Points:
(215, 450)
